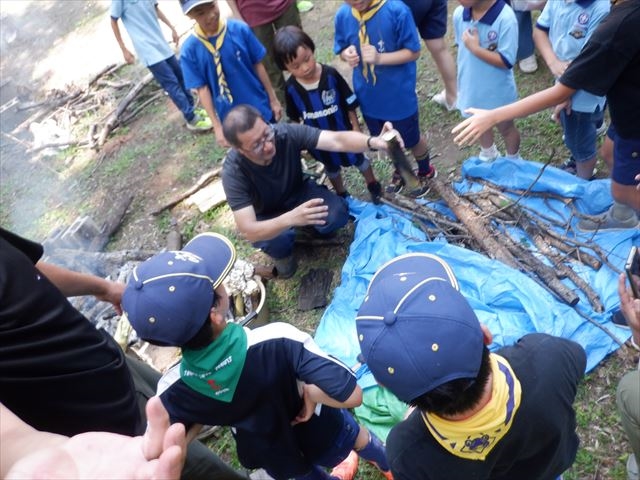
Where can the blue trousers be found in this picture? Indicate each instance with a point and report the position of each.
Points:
(525, 35)
(169, 75)
(282, 245)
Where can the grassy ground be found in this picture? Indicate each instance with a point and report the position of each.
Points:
(155, 158)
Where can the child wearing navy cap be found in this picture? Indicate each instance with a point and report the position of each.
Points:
(478, 414)
(285, 399)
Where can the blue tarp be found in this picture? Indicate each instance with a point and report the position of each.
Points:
(508, 301)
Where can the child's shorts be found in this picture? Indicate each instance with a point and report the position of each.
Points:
(580, 134)
(330, 453)
(626, 158)
(430, 17)
(409, 128)
(334, 166)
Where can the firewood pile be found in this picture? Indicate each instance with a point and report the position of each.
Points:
(493, 221)
(59, 119)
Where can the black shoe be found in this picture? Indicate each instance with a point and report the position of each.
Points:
(569, 166)
(285, 267)
(396, 185)
(618, 320)
(375, 189)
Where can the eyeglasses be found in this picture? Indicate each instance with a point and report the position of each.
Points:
(268, 136)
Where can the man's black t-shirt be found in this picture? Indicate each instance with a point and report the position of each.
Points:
(57, 372)
(609, 65)
(542, 441)
(271, 189)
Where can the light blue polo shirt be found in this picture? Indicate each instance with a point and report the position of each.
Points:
(240, 51)
(480, 84)
(569, 25)
(141, 21)
(393, 96)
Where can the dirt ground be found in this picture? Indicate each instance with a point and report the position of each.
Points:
(38, 192)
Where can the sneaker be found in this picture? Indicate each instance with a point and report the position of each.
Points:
(424, 183)
(304, 6)
(618, 320)
(441, 99)
(529, 64)
(602, 129)
(375, 189)
(632, 468)
(285, 267)
(396, 185)
(347, 469)
(569, 166)
(489, 154)
(606, 221)
(199, 123)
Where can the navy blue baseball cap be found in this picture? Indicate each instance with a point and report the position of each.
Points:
(188, 5)
(169, 296)
(416, 330)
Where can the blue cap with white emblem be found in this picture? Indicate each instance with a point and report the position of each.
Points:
(416, 330)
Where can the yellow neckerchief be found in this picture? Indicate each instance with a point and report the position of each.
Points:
(474, 437)
(364, 37)
(225, 91)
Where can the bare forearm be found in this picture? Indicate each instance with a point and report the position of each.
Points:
(162, 17)
(350, 141)
(116, 33)
(492, 58)
(73, 284)
(260, 230)
(18, 439)
(319, 396)
(533, 103)
(264, 79)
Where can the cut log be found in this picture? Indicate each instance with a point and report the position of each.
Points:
(479, 227)
(114, 118)
(112, 224)
(202, 181)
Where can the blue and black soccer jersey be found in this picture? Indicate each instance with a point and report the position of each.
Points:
(267, 398)
(326, 107)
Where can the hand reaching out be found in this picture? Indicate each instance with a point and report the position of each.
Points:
(159, 454)
(311, 212)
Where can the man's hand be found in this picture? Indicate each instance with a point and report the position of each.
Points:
(469, 131)
(370, 54)
(350, 55)
(311, 212)
(388, 127)
(101, 455)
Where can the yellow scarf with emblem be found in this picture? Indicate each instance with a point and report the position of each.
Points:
(362, 19)
(475, 437)
(225, 91)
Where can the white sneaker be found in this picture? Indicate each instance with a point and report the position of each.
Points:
(529, 64)
(602, 129)
(489, 154)
(441, 99)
